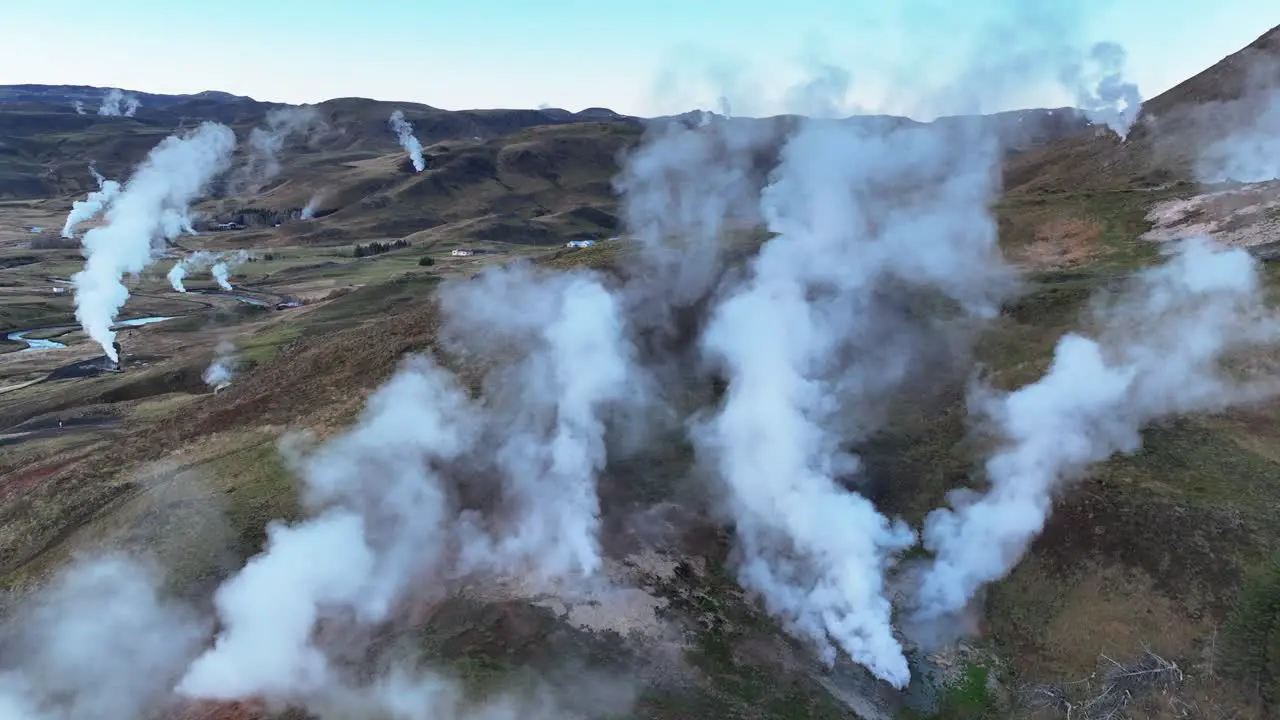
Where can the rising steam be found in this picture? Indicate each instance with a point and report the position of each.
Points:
(196, 261)
(309, 212)
(87, 209)
(882, 262)
(1240, 138)
(99, 608)
(1102, 92)
(222, 268)
(220, 373)
(152, 207)
(117, 103)
(266, 142)
(404, 133)
(79, 107)
(390, 495)
(549, 443)
(811, 344)
(1159, 354)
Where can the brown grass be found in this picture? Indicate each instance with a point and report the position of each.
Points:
(1061, 243)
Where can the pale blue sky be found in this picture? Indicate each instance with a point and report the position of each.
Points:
(645, 57)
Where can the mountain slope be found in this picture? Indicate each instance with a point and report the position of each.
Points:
(1172, 128)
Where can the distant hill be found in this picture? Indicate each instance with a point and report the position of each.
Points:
(1173, 126)
(519, 175)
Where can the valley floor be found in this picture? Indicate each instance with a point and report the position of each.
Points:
(1160, 556)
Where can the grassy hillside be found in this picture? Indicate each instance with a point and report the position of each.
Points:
(1172, 128)
(1166, 556)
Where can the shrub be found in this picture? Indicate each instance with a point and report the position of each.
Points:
(377, 248)
(426, 261)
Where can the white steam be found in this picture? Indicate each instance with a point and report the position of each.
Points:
(811, 334)
(222, 268)
(79, 106)
(1159, 354)
(390, 495)
(223, 368)
(683, 191)
(100, 642)
(1101, 90)
(404, 133)
(1240, 138)
(196, 261)
(153, 206)
(309, 212)
(116, 103)
(266, 142)
(546, 412)
(87, 209)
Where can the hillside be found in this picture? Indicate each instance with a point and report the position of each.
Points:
(569, 407)
(1241, 91)
(536, 176)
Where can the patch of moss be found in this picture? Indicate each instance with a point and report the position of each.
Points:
(966, 697)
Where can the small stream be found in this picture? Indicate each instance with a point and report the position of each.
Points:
(33, 343)
(42, 344)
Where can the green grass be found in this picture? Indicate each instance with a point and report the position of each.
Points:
(258, 488)
(966, 697)
(265, 345)
(1251, 636)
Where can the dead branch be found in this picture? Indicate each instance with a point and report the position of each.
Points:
(1107, 693)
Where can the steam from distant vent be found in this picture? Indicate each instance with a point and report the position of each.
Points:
(267, 142)
(196, 261)
(117, 103)
(151, 208)
(222, 268)
(222, 370)
(1102, 93)
(404, 133)
(309, 212)
(79, 106)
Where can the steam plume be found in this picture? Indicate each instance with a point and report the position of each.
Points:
(1240, 138)
(813, 324)
(152, 206)
(116, 103)
(223, 267)
(388, 518)
(1159, 354)
(196, 261)
(1103, 95)
(222, 370)
(309, 212)
(572, 360)
(266, 142)
(97, 609)
(79, 106)
(404, 133)
(96, 202)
